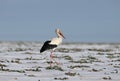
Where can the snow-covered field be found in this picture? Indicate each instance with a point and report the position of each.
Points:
(21, 61)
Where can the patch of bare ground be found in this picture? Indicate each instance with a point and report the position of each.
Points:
(54, 68)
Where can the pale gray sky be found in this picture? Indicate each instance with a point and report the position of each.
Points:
(79, 20)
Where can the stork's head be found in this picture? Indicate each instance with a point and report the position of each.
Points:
(59, 33)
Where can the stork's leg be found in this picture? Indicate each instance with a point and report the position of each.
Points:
(51, 58)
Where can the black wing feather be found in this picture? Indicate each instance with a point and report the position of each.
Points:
(47, 46)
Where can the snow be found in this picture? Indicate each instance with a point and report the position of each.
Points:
(21, 61)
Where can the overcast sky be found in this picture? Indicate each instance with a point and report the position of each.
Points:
(79, 20)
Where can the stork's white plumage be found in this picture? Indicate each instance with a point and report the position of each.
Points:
(53, 43)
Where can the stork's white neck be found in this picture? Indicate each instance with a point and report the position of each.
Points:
(56, 41)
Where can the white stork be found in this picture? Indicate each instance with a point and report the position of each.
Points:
(52, 44)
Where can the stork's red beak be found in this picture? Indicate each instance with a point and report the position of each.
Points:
(62, 35)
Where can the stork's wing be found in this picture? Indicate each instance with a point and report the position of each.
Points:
(47, 46)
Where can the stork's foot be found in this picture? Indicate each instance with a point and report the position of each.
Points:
(54, 62)
(57, 63)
